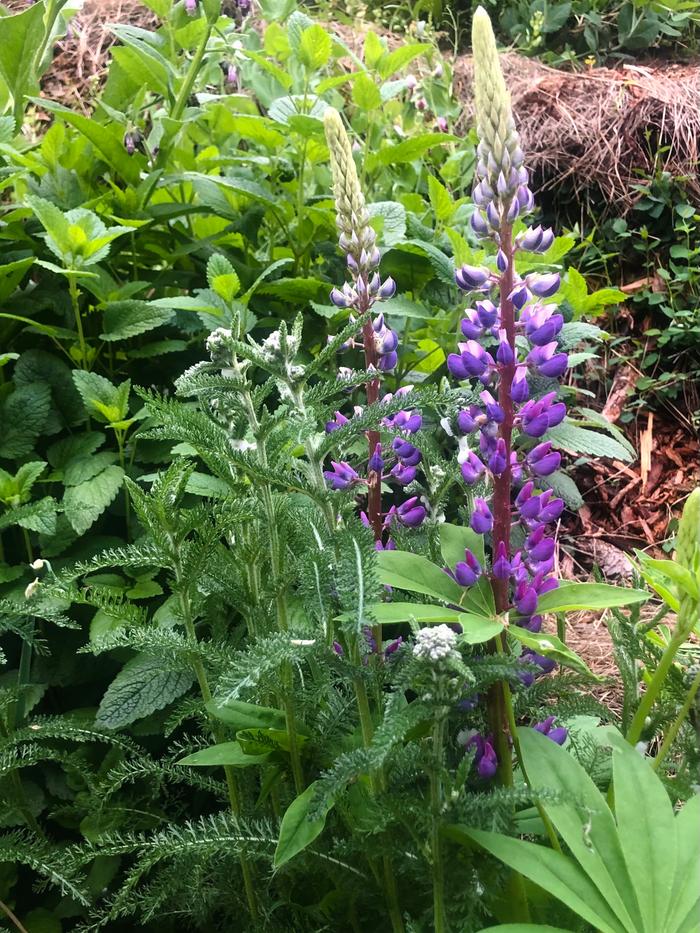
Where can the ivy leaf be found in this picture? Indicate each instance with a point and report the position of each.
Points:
(124, 319)
(297, 830)
(83, 504)
(143, 686)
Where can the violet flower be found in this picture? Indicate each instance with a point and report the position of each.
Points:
(557, 734)
(396, 459)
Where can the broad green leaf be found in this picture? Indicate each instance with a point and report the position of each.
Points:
(645, 825)
(297, 830)
(393, 221)
(227, 753)
(76, 446)
(144, 685)
(81, 469)
(107, 402)
(454, 539)
(570, 596)
(583, 819)
(685, 898)
(475, 628)
(365, 93)
(107, 140)
(565, 488)
(409, 150)
(39, 516)
(314, 47)
(144, 67)
(22, 35)
(124, 319)
(551, 647)
(83, 504)
(240, 715)
(23, 416)
(672, 570)
(11, 274)
(440, 199)
(525, 928)
(417, 574)
(399, 58)
(569, 436)
(552, 871)
(441, 263)
(373, 49)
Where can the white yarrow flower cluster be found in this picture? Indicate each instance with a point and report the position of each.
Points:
(435, 643)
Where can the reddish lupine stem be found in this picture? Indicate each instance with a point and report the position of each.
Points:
(374, 480)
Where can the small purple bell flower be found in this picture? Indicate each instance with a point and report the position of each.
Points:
(470, 278)
(542, 460)
(501, 566)
(468, 571)
(341, 476)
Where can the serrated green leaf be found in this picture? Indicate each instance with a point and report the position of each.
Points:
(399, 58)
(315, 47)
(440, 199)
(39, 516)
(81, 469)
(23, 416)
(143, 686)
(75, 447)
(124, 319)
(102, 399)
(564, 487)
(393, 226)
(569, 436)
(83, 504)
(408, 150)
(365, 93)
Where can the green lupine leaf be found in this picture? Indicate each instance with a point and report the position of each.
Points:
(297, 830)
(226, 753)
(240, 715)
(569, 436)
(417, 574)
(570, 596)
(551, 647)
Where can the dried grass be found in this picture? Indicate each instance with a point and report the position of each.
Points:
(602, 129)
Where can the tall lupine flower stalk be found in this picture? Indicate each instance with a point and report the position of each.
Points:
(379, 343)
(511, 334)
(358, 241)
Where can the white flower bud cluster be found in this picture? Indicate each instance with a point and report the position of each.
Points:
(435, 643)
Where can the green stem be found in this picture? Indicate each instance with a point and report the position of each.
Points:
(120, 436)
(439, 914)
(12, 917)
(75, 303)
(205, 690)
(654, 688)
(191, 76)
(670, 736)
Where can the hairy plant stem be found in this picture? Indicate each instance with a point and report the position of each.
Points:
(670, 736)
(436, 803)
(191, 76)
(217, 733)
(497, 701)
(75, 304)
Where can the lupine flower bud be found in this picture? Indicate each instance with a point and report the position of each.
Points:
(484, 755)
(470, 278)
(341, 476)
(498, 459)
(544, 286)
(472, 468)
(465, 422)
(481, 518)
(403, 474)
(376, 464)
(557, 734)
(191, 7)
(410, 513)
(501, 565)
(339, 421)
(468, 571)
